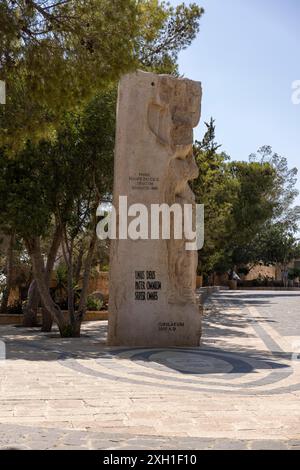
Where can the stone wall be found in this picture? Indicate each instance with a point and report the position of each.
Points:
(7, 319)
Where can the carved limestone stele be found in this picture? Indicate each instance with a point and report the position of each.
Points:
(152, 282)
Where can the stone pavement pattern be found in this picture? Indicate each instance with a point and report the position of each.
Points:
(240, 389)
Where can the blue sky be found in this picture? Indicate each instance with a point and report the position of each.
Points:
(247, 55)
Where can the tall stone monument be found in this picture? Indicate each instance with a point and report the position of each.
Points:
(152, 282)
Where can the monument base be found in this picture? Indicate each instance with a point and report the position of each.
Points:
(174, 327)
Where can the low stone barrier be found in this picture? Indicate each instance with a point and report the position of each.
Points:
(94, 316)
(11, 319)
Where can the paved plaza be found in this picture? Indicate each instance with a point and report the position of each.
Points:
(239, 390)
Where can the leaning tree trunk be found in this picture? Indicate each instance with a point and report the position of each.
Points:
(34, 250)
(47, 318)
(30, 317)
(34, 298)
(31, 309)
(9, 273)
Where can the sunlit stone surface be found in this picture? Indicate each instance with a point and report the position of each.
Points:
(152, 282)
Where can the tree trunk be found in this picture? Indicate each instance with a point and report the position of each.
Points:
(79, 264)
(68, 256)
(30, 312)
(47, 318)
(5, 297)
(9, 273)
(85, 282)
(47, 321)
(34, 250)
(34, 299)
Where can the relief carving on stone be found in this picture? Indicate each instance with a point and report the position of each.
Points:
(172, 115)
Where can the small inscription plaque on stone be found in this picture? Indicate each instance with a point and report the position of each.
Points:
(143, 181)
(170, 326)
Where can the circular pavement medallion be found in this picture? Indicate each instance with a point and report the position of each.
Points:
(203, 369)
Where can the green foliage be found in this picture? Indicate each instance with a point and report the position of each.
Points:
(105, 268)
(216, 190)
(55, 56)
(59, 179)
(276, 243)
(252, 207)
(284, 190)
(294, 274)
(16, 308)
(26, 202)
(93, 303)
(249, 212)
(243, 270)
(164, 32)
(61, 275)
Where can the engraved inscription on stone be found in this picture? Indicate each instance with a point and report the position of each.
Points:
(143, 181)
(146, 285)
(169, 326)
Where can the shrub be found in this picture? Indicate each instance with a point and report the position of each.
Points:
(93, 304)
(15, 308)
(294, 273)
(243, 270)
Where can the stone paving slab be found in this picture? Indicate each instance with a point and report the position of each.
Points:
(240, 389)
(270, 304)
(24, 438)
